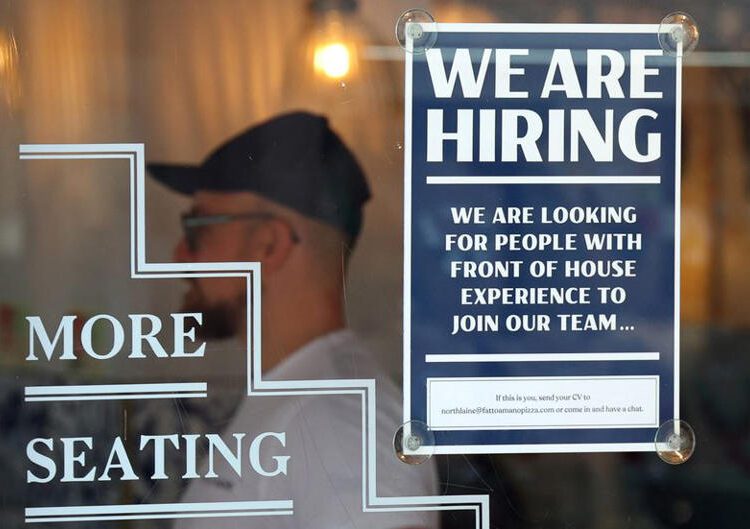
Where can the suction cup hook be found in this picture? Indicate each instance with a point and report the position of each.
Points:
(416, 31)
(678, 34)
(675, 442)
(414, 442)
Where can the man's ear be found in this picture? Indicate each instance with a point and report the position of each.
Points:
(273, 242)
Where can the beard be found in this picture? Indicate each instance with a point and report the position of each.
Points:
(221, 320)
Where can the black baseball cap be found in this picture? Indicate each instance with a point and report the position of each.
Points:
(294, 159)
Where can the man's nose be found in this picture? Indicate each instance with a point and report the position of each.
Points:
(181, 252)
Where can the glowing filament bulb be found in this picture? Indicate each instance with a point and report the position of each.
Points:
(332, 59)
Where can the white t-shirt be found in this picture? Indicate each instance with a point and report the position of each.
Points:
(324, 442)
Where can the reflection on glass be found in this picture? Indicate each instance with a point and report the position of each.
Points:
(10, 89)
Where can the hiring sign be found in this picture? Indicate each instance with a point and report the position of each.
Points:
(541, 261)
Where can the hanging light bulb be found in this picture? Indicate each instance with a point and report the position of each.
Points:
(333, 42)
(334, 48)
(326, 72)
(332, 59)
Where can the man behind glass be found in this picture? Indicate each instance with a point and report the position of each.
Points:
(289, 194)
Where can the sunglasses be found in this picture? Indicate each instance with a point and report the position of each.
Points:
(192, 224)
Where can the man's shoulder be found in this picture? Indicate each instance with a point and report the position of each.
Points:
(340, 354)
(327, 436)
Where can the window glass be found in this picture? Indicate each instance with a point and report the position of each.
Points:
(202, 266)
